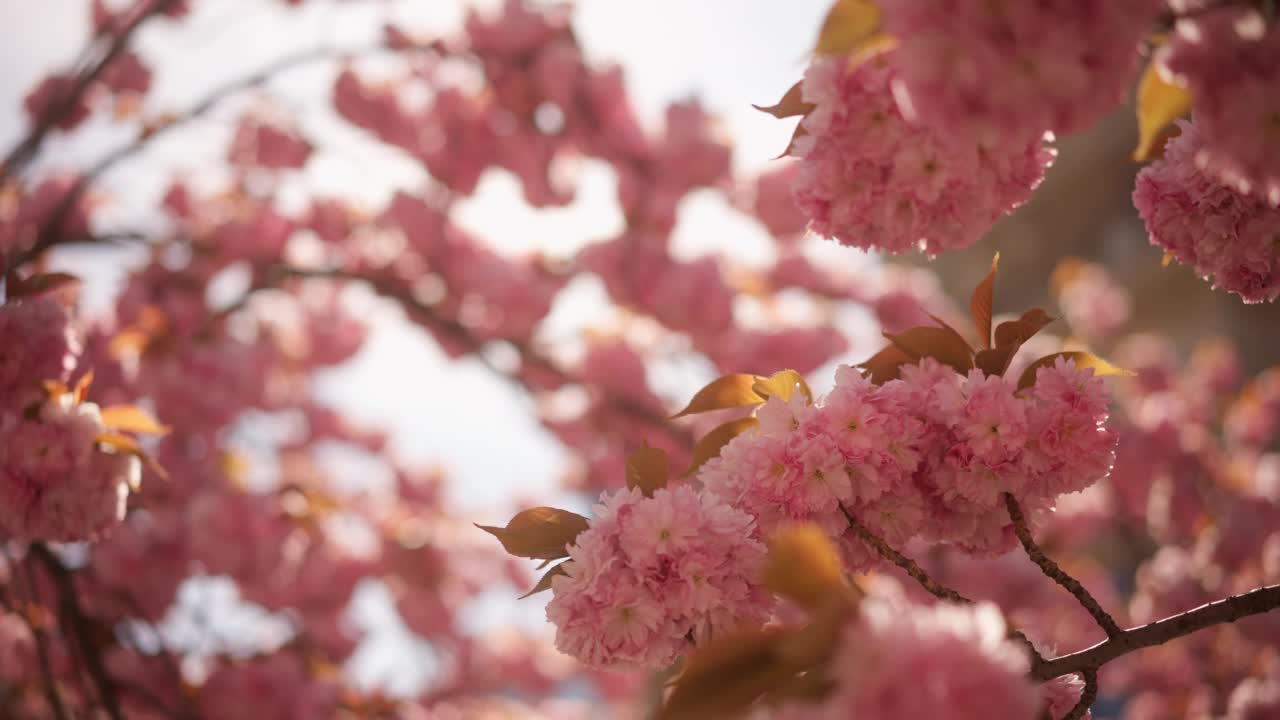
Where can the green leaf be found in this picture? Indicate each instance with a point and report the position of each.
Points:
(711, 443)
(1160, 101)
(1082, 360)
(648, 469)
(981, 303)
(542, 533)
(725, 392)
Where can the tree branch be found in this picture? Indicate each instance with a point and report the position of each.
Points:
(58, 109)
(1227, 610)
(51, 693)
(70, 608)
(1056, 573)
(931, 586)
(1087, 696)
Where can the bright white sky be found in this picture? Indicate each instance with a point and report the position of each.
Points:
(729, 53)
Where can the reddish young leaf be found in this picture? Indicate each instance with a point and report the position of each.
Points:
(995, 361)
(648, 469)
(884, 365)
(542, 533)
(790, 105)
(544, 583)
(711, 443)
(943, 345)
(725, 392)
(726, 675)
(1016, 332)
(39, 284)
(981, 303)
(1082, 360)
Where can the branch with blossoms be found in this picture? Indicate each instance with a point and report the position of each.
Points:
(930, 422)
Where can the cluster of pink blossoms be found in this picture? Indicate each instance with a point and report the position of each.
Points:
(54, 483)
(1014, 69)
(653, 575)
(1229, 237)
(928, 455)
(870, 179)
(944, 662)
(1230, 60)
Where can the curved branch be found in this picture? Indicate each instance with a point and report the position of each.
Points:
(1056, 573)
(1227, 610)
(1087, 696)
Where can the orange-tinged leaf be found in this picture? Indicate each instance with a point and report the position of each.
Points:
(725, 392)
(125, 445)
(848, 25)
(798, 133)
(941, 344)
(790, 105)
(131, 418)
(1160, 101)
(982, 301)
(40, 283)
(783, 384)
(1082, 360)
(726, 675)
(884, 365)
(82, 386)
(1016, 332)
(542, 533)
(994, 361)
(1168, 258)
(711, 443)
(803, 565)
(648, 469)
(544, 583)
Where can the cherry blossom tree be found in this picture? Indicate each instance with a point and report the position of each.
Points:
(996, 513)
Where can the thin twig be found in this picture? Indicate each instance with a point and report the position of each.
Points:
(1056, 573)
(909, 566)
(58, 108)
(70, 606)
(1226, 610)
(933, 587)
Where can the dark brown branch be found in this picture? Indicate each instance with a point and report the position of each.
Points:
(1056, 573)
(59, 108)
(1227, 610)
(69, 606)
(51, 693)
(50, 233)
(909, 566)
(1087, 696)
(933, 587)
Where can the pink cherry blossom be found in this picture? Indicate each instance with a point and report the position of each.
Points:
(945, 662)
(1228, 237)
(652, 576)
(1229, 58)
(871, 179)
(1006, 70)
